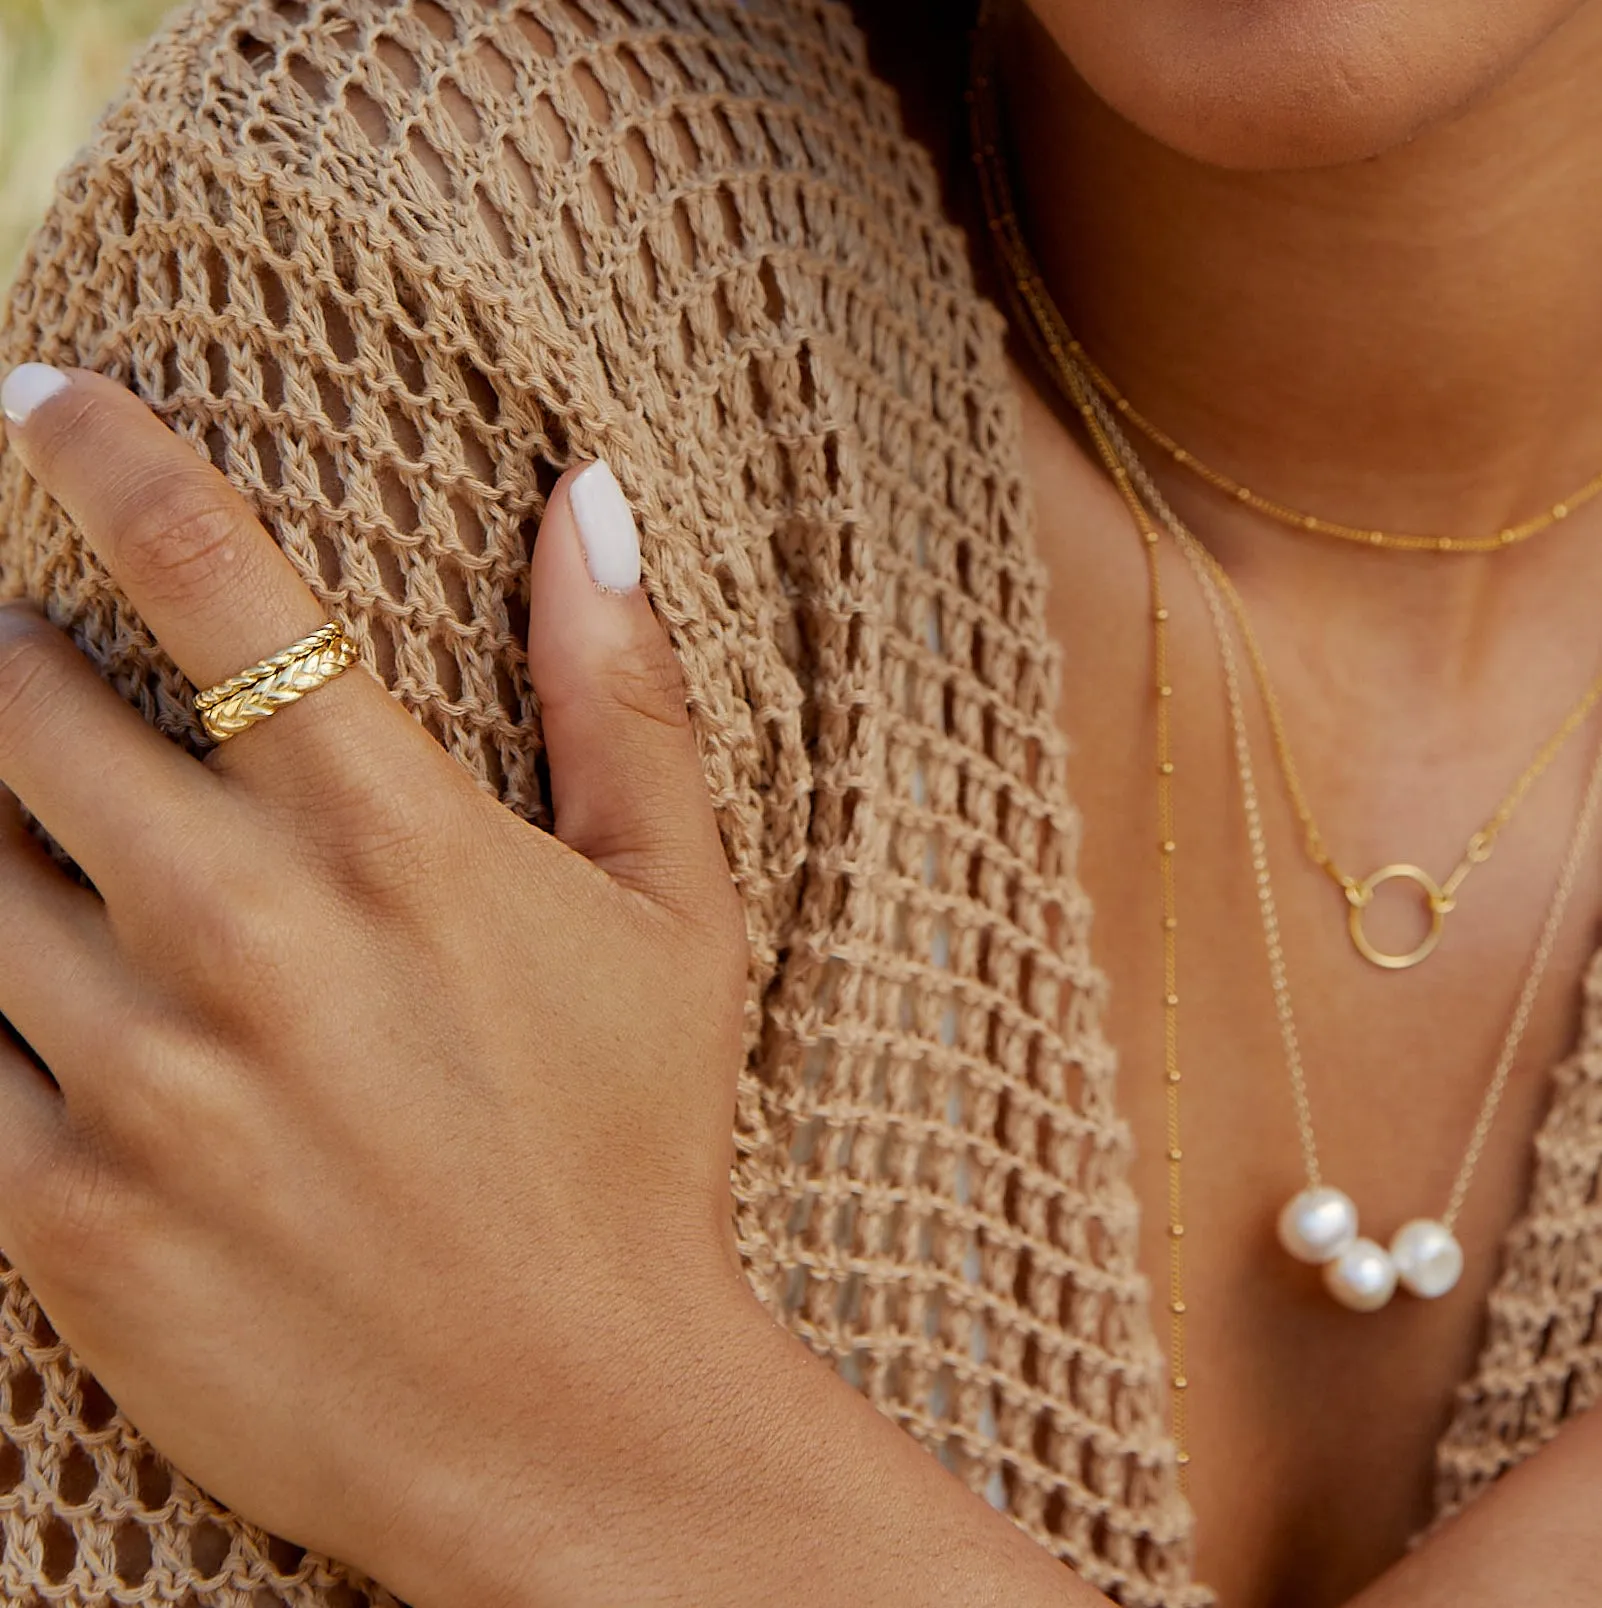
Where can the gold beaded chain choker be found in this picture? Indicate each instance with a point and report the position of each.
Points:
(1226, 485)
(1312, 524)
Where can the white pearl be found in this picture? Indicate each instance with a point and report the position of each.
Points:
(1362, 1277)
(1318, 1224)
(1429, 1261)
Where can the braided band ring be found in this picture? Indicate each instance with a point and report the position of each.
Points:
(227, 708)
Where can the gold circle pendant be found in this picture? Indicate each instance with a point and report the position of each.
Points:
(1361, 894)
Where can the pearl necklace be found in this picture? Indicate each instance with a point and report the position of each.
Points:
(1319, 1225)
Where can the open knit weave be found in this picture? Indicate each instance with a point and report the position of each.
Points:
(393, 264)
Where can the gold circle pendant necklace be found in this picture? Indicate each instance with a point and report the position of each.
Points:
(1440, 898)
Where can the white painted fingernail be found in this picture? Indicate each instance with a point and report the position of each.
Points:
(606, 528)
(26, 387)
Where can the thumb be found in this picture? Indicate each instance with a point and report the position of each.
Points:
(626, 780)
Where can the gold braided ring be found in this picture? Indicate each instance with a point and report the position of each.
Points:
(227, 708)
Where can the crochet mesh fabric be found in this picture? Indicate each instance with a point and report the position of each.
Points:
(393, 264)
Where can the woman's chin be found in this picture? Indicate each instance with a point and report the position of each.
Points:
(1265, 84)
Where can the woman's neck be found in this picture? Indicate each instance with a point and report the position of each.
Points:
(1412, 342)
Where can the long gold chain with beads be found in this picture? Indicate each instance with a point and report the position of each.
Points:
(992, 182)
(1061, 351)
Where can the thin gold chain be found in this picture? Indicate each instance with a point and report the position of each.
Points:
(1212, 580)
(1312, 524)
(993, 186)
(1056, 344)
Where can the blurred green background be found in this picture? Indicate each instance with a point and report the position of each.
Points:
(60, 62)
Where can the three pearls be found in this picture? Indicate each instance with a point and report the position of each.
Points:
(1319, 1226)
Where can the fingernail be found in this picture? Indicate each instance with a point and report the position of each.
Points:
(26, 387)
(606, 529)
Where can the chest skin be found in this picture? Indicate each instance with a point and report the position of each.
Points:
(1312, 1429)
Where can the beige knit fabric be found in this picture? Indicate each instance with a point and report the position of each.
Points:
(395, 263)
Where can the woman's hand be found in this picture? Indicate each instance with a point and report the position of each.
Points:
(386, 1187)
(389, 1163)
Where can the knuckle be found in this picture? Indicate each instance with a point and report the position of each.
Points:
(168, 1103)
(379, 833)
(240, 936)
(381, 809)
(232, 931)
(195, 856)
(182, 534)
(31, 683)
(394, 855)
(647, 684)
(71, 1209)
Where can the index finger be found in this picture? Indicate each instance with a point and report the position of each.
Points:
(186, 548)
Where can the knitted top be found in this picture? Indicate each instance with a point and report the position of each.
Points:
(394, 264)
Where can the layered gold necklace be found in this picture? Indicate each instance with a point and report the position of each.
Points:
(1319, 1225)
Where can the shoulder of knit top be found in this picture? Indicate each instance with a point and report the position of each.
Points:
(484, 136)
(575, 162)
